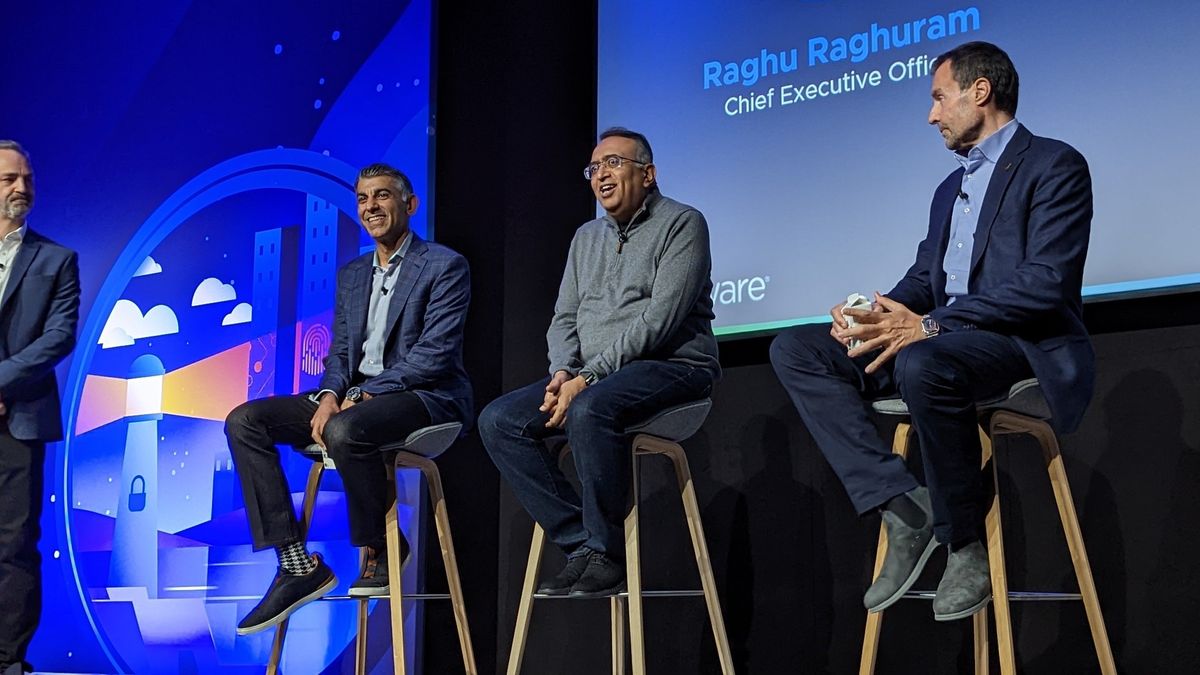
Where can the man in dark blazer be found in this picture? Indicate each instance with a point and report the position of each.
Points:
(395, 365)
(39, 310)
(994, 297)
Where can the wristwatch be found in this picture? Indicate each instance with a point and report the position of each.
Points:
(589, 378)
(354, 394)
(930, 326)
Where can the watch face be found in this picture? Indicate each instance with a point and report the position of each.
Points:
(354, 394)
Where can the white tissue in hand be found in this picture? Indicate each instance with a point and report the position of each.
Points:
(855, 301)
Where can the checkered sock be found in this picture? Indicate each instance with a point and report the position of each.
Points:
(294, 559)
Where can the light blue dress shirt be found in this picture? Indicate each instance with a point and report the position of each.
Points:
(382, 281)
(978, 164)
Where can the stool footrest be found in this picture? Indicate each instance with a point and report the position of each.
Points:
(623, 594)
(1018, 596)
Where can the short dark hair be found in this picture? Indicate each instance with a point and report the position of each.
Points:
(973, 60)
(644, 153)
(380, 169)
(15, 147)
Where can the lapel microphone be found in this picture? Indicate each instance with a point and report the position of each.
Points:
(962, 195)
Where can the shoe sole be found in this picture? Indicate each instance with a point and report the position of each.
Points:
(605, 593)
(964, 613)
(282, 616)
(912, 578)
(377, 591)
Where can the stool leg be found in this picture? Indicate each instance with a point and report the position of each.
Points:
(311, 488)
(617, 613)
(870, 648)
(980, 625)
(995, 544)
(691, 509)
(395, 590)
(360, 639)
(633, 578)
(1079, 558)
(525, 609)
(441, 518)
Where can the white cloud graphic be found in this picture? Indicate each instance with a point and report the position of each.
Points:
(148, 267)
(112, 336)
(126, 323)
(240, 314)
(211, 290)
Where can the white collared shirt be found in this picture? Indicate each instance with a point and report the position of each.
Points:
(9, 245)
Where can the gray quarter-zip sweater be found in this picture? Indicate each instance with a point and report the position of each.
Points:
(646, 298)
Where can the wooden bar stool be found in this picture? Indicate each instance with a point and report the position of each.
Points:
(417, 451)
(1022, 411)
(659, 435)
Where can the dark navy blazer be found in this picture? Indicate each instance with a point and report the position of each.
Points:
(1026, 266)
(38, 317)
(423, 347)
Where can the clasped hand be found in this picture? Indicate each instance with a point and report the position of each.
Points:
(888, 326)
(562, 389)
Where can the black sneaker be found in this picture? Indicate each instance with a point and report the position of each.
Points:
(288, 593)
(373, 582)
(561, 583)
(603, 577)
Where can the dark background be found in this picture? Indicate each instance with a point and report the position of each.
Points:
(515, 124)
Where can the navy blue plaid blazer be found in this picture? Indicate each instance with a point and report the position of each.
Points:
(423, 351)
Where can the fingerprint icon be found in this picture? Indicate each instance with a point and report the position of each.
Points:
(316, 348)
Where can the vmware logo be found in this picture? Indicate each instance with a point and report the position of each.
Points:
(735, 291)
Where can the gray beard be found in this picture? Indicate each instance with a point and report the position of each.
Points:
(13, 212)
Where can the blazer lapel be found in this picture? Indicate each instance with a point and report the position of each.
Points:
(20, 265)
(1002, 176)
(406, 280)
(356, 311)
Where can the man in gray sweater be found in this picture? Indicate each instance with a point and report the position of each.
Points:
(631, 336)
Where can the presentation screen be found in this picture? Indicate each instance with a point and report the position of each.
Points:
(799, 129)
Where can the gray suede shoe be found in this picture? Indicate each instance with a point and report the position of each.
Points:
(908, 549)
(966, 586)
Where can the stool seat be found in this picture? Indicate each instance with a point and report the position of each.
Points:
(675, 424)
(1024, 397)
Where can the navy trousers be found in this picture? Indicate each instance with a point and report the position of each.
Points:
(940, 379)
(514, 432)
(352, 439)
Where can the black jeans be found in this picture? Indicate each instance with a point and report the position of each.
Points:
(940, 379)
(514, 431)
(21, 485)
(352, 439)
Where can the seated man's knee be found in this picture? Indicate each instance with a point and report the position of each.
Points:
(497, 421)
(241, 417)
(921, 371)
(341, 434)
(584, 410)
(798, 345)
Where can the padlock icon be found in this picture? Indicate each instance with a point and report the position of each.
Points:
(137, 495)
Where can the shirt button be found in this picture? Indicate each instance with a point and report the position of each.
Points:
(953, 277)
(967, 210)
(959, 244)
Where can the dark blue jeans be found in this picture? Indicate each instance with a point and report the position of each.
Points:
(514, 432)
(940, 379)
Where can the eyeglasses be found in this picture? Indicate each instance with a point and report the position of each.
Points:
(613, 162)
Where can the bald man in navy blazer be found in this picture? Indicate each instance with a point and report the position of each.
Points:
(395, 365)
(39, 311)
(993, 297)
